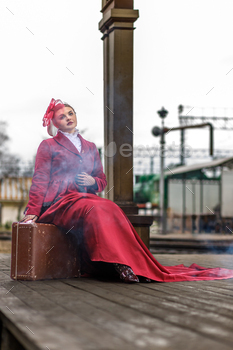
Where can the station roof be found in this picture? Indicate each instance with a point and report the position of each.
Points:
(228, 162)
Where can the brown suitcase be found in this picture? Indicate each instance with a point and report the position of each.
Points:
(43, 251)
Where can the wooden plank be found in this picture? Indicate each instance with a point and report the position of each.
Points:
(32, 330)
(106, 315)
(8, 341)
(88, 336)
(154, 332)
(160, 334)
(178, 297)
(219, 304)
(107, 322)
(130, 324)
(207, 260)
(222, 285)
(54, 310)
(170, 315)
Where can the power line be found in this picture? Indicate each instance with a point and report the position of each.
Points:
(220, 117)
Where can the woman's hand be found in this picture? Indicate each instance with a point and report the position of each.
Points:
(27, 218)
(84, 179)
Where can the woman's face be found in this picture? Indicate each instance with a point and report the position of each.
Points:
(65, 119)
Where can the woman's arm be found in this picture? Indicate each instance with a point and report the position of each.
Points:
(97, 179)
(31, 218)
(40, 180)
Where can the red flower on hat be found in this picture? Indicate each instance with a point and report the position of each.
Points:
(53, 106)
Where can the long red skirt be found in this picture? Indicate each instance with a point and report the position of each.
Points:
(110, 237)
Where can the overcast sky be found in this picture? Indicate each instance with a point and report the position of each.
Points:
(183, 49)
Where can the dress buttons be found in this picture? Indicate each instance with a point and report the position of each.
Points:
(80, 161)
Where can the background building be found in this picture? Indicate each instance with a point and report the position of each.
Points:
(13, 198)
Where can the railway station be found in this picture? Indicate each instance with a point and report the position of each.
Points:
(175, 226)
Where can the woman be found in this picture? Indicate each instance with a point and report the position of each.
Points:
(68, 173)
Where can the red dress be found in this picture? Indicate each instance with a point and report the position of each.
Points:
(108, 235)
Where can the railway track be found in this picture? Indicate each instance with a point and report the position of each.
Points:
(191, 246)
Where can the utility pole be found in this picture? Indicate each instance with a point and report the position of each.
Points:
(162, 113)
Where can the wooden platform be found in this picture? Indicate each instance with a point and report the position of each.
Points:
(95, 315)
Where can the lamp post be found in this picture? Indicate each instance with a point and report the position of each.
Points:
(156, 131)
(162, 113)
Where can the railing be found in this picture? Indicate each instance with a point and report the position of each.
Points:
(14, 188)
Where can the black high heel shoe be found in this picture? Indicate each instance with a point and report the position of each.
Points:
(126, 273)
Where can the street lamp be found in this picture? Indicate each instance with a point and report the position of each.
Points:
(156, 132)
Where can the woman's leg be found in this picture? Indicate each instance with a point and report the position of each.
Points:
(101, 222)
(108, 235)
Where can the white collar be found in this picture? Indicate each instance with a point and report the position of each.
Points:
(67, 134)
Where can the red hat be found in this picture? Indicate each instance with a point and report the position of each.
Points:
(52, 108)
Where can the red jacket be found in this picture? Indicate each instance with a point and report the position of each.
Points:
(57, 163)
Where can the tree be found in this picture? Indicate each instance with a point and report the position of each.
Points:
(28, 170)
(9, 163)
